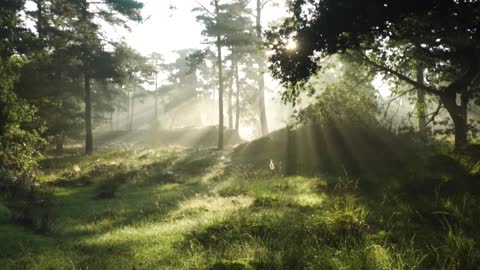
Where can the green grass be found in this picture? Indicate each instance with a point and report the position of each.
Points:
(176, 208)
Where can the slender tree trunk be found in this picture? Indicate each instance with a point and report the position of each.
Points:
(117, 120)
(458, 113)
(230, 101)
(88, 115)
(220, 83)
(421, 104)
(261, 70)
(111, 121)
(237, 99)
(130, 127)
(88, 90)
(127, 120)
(291, 155)
(155, 123)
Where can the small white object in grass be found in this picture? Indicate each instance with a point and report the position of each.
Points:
(222, 157)
(76, 168)
(272, 165)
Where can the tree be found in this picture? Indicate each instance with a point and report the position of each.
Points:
(260, 5)
(51, 83)
(20, 142)
(157, 59)
(15, 36)
(50, 79)
(132, 70)
(232, 28)
(242, 40)
(442, 36)
(345, 99)
(213, 22)
(182, 86)
(89, 43)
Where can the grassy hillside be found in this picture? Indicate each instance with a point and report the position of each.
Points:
(179, 208)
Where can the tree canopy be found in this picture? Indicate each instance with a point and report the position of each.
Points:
(441, 36)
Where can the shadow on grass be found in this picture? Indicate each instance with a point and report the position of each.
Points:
(423, 217)
(146, 193)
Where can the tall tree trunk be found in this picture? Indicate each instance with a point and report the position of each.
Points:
(291, 155)
(155, 123)
(88, 89)
(458, 113)
(237, 99)
(127, 120)
(130, 127)
(421, 104)
(111, 121)
(88, 115)
(230, 101)
(261, 70)
(220, 83)
(117, 119)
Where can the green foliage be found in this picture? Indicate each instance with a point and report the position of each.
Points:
(327, 28)
(20, 144)
(51, 83)
(343, 96)
(15, 36)
(340, 107)
(260, 221)
(392, 38)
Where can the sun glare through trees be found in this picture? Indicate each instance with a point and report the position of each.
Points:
(240, 134)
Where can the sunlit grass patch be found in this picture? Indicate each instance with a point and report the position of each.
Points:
(210, 217)
(206, 203)
(309, 200)
(231, 187)
(158, 236)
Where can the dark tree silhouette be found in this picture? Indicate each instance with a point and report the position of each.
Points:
(440, 35)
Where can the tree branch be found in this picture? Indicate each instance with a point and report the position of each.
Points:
(394, 99)
(399, 75)
(435, 113)
(206, 9)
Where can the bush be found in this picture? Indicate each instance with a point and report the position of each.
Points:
(20, 145)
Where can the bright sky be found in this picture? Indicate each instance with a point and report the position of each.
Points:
(166, 29)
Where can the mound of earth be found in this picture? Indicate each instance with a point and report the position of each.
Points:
(330, 149)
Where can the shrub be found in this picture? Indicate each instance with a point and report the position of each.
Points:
(19, 142)
(20, 145)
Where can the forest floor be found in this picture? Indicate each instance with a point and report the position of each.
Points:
(189, 208)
